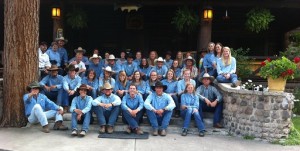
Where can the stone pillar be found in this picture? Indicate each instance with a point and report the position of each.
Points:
(204, 34)
(56, 25)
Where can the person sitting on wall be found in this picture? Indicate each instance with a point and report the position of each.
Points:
(159, 107)
(226, 68)
(38, 108)
(211, 99)
(132, 109)
(80, 109)
(108, 106)
(209, 63)
(52, 85)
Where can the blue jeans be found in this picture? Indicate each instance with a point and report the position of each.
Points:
(187, 115)
(210, 71)
(37, 115)
(104, 115)
(222, 79)
(158, 122)
(133, 122)
(66, 98)
(218, 111)
(55, 96)
(176, 100)
(86, 121)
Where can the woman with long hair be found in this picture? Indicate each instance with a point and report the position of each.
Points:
(180, 58)
(144, 69)
(91, 82)
(177, 70)
(152, 56)
(151, 82)
(140, 84)
(122, 84)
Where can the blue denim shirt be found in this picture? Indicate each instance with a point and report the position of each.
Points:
(94, 84)
(84, 104)
(116, 68)
(97, 68)
(119, 86)
(210, 92)
(50, 81)
(146, 71)
(190, 100)
(172, 85)
(160, 71)
(168, 63)
(137, 61)
(181, 85)
(71, 84)
(178, 72)
(133, 103)
(221, 68)
(54, 55)
(208, 60)
(129, 68)
(114, 99)
(41, 99)
(63, 55)
(164, 101)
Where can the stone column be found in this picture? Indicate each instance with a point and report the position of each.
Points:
(204, 34)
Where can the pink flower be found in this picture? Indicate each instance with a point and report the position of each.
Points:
(269, 59)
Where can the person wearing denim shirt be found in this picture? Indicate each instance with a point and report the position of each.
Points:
(151, 82)
(70, 84)
(54, 55)
(138, 58)
(132, 109)
(176, 69)
(80, 109)
(211, 99)
(62, 51)
(114, 66)
(52, 85)
(122, 84)
(171, 82)
(38, 108)
(160, 69)
(159, 107)
(144, 69)
(140, 84)
(189, 65)
(107, 77)
(189, 107)
(168, 61)
(108, 106)
(209, 61)
(92, 83)
(226, 68)
(95, 65)
(186, 79)
(129, 67)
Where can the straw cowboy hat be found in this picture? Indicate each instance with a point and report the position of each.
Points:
(190, 58)
(32, 85)
(95, 56)
(206, 75)
(159, 84)
(79, 49)
(106, 86)
(72, 68)
(111, 57)
(53, 68)
(61, 38)
(82, 87)
(159, 59)
(108, 69)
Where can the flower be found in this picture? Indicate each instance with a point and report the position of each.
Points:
(268, 59)
(281, 67)
(263, 63)
(297, 59)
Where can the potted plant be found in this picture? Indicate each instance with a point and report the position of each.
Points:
(258, 19)
(277, 71)
(77, 18)
(185, 20)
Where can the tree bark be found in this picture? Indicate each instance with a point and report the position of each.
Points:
(21, 34)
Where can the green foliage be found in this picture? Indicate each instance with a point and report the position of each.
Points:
(243, 68)
(77, 18)
(185, 20)
(291, 52)
(258, 19)
(294, 136)
(248, 137)
(296, 109)
(282, 67)
(295, 39)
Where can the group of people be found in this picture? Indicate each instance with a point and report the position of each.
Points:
(160, 88)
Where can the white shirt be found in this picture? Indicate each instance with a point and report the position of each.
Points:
(80, 65)
(44, 60)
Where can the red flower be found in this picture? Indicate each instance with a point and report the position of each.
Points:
(297, 59)
(290, 71)
(269, 59)
(283, 74)
(263, 63)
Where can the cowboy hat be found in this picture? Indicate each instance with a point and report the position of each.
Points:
(206, 75)
(79, 49)
(111, 57)
(72, 68)
(53, 68)
(108, 69)
(190, 58)
(159, 59)
(95, 56)
(159, 84)
(61, 38)
(106, 86)
(32, 85)
(82, 87)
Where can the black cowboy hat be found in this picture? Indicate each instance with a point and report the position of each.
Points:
(159, 84)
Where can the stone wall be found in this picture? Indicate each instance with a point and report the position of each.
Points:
(264, 115)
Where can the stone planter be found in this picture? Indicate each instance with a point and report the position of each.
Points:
(276, 85)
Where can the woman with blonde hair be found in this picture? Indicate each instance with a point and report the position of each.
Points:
(189, 107)
(152, 56)
(226, 68)
(179, 57)
(122, 84)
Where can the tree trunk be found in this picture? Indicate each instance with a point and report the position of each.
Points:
(21, 34)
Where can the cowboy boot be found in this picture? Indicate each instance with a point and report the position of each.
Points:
(46, 129)
(59, 126)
